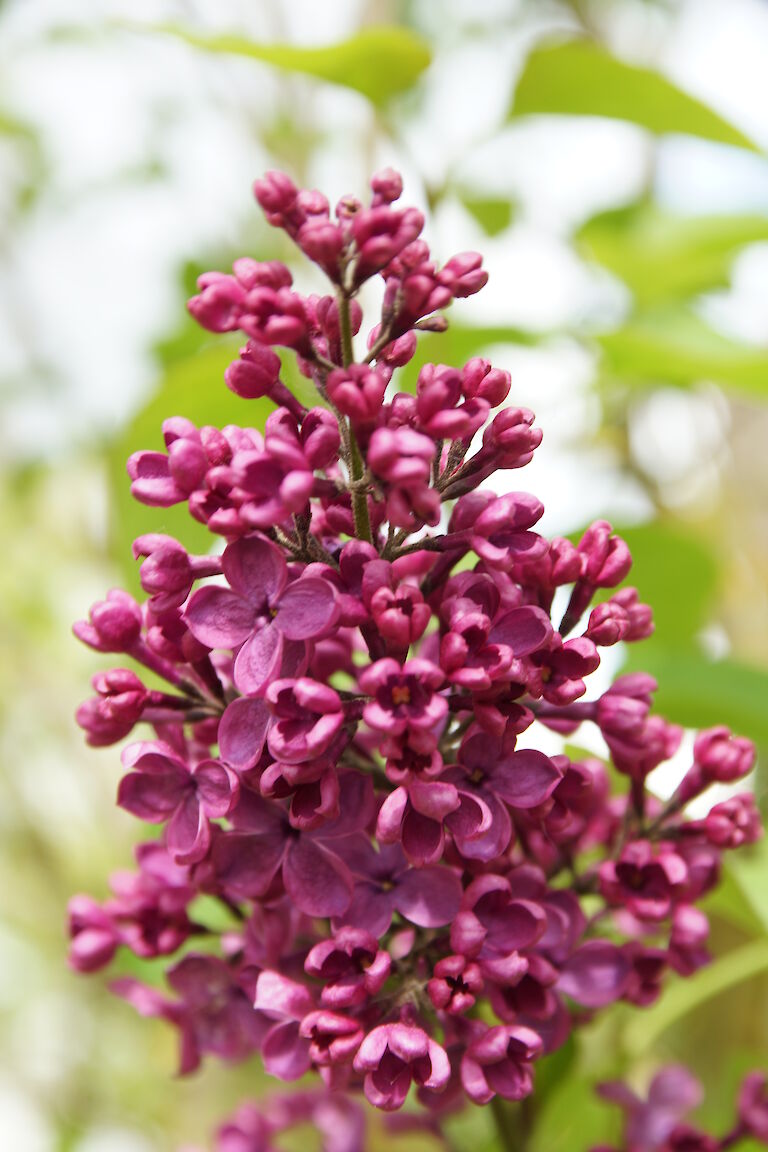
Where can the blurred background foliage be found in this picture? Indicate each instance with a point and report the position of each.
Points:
(609, 156)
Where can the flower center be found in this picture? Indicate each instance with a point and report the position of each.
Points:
(401, 694)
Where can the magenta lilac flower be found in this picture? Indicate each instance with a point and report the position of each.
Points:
(660, 1122)
(342, 753)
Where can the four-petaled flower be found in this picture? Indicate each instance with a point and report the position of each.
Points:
(163, 789)
(393, 1055)
(265, 618)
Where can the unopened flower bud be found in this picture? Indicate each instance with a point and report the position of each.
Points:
(608, 559)
(511, 438)
(94, 936)
(114, 625)
(464, 274)
(722, 756)
(276, 193)
(387, 186)
(479, 379)
(733, 822)
(357, 391)
(608, 623)
(255, 373)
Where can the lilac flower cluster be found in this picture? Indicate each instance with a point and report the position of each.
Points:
(658, 1123)
(414, 895)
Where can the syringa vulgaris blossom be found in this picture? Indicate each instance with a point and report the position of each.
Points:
(416, 899)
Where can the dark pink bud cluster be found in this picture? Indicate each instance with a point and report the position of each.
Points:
(147, 913)
(337, 1120)
(718, 757)
(342, 757)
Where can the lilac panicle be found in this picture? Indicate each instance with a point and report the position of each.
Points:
(341, 755)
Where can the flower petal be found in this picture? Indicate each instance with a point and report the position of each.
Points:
(422, 838)
(217, 788)
(242, 732)
(510, 1080)
(357, 805)
(152, 482)
(189, 833)
(522, 629)
(596, 974)
(258, 661)
(245, 865)
(370, 909)
(218, 617)
(488, 845)
(428, 897)
(525, 778)
(317, 881)
(285, 1053)
(255, 569)
(152, 796)
(474, 1082)
(308, 608)
(278, 996)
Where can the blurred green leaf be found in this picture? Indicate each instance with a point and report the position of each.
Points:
(580, 78)
(468, 1128)
(192, 387)
(378, 62)
(16, 128)
(553, 1069)
(662, 257)
(676, 573)
(493, 214)
(674, 346)
(731, 900)
(749, 869)
(683, 996)
(28, 169)
(698, 692)
(573, 1117)
(213, 914)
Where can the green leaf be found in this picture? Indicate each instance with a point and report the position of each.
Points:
(676, 573)
(698, 693)
(213, 914)
(466, 1128)
(573, 1117)
(378, 62)
(553, 1069)
(15, 128)
(579, 78)
(192, 387)
(683, 996)
(493, 214)
(662, 257)
(674, 346)
(749, 869)
(730, 900)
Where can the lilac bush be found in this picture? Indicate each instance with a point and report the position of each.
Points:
(414, 896)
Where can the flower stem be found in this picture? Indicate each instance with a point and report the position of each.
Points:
(733, 1138)
(359, 499)
(506, 1127)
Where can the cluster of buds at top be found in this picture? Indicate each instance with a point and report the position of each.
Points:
(344, 752)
